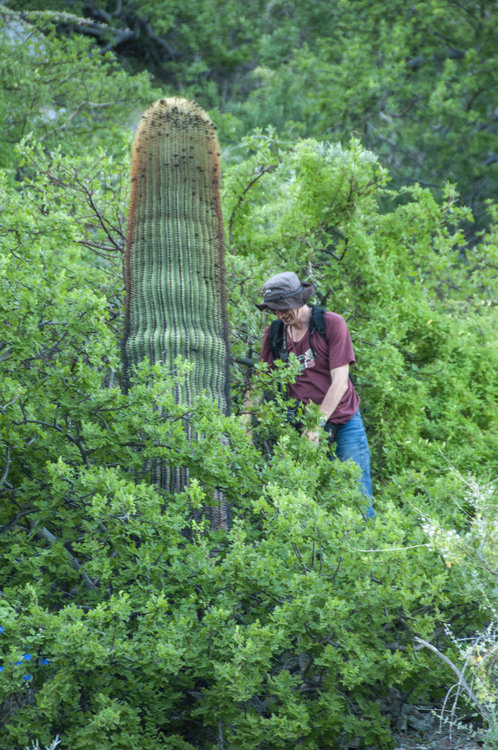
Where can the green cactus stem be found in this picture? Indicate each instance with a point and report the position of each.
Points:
(174, 262)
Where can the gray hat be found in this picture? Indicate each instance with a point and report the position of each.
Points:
(285, 292)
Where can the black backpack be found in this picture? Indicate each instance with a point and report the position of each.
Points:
(278, 341)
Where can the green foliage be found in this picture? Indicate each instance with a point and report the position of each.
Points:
(288, 629)
(473, 550)
(166, 37)
(412, 81)
(416, 82)
(391, 262)
(61, 90)
(125, 623)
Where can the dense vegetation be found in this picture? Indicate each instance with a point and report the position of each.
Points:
(416, 82)
(348, 132)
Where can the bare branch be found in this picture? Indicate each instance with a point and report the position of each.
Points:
(71, 438)
(7, 467)
(399, 115)
(18, 516)
(100, 217)
(243, 361)
(6, 354)
(221, 738)
(51, 538)
(298, 555)
(260, 174)
(391, 549)
(461, 679)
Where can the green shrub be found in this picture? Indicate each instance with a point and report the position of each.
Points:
(297, 627)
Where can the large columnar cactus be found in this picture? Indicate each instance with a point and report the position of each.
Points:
(174, 264)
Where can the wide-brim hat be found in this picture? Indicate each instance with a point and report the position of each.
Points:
(285, 292)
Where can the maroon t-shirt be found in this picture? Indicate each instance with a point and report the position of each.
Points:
(314, 380)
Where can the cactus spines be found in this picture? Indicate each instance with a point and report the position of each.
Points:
(174, 261)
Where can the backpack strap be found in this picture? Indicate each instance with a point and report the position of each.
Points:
(317, 323)
(278, 343)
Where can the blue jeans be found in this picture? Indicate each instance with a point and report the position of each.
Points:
(352, 444)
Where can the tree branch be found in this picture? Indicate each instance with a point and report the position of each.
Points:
(263, 171)
(18, 516)
(7, 467)
(461, 679)
(71, 438)
(51, 538)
